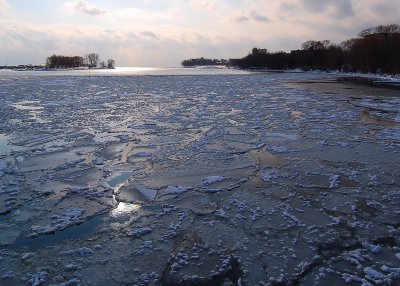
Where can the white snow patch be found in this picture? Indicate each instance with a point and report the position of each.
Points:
(213, 179)
(268, 175)
(334, 181)
(59, 221)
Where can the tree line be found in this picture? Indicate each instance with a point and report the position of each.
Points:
(375, 50)
(91, 60)
(204, 62)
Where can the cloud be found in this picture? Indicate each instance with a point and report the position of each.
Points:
(203, 4)
(251, 15)
(4, 4)
(163, 33)
(149, 34)
(240, 19)
(258, 17)
(85, 7)
(340, 8)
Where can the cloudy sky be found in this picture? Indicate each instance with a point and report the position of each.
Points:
(164, 32)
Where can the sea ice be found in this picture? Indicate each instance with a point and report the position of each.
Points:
(177, 189)
(149, 194)
(213, 179)
(269, 175)
(141, 167)
(69, 217)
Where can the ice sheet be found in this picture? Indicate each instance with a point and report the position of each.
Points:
(196, 178)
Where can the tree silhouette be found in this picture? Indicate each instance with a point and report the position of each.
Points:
(376, 49)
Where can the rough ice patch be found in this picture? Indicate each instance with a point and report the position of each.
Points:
(68, 218)
(3, 166)
(278, 149)
(149, 194)
(72, 282)
(142, 231)
(391, 270)
(268, 175)
(371, 247)
(199, 144)
(334, 181)
(143, 154)
(374, 275)
(213, 179)
(351, 278)
(37, 278)
(177, 189)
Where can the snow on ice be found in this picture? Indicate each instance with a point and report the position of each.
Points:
(192, 176)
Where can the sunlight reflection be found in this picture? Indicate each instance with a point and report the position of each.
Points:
(124, 208)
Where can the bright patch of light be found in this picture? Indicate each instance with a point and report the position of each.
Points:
(124, 208)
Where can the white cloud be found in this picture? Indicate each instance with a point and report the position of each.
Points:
(209, 5)
(157, 35)
(85, 7)
(4, 4)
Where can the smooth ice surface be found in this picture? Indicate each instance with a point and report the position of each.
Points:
(196, 177)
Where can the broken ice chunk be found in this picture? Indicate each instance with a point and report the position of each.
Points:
(72, 282)
(3, 166)
(59, 222)
(84, 251)
(373, 274)
(371, 247)
(268, 175)
(37, 278)
(213, 179)
(99, 161)
(391, 270)
(334, 181)
(142, 231)
(278, 149)
(149, 194)
(177, 189)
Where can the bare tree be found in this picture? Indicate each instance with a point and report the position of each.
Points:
(110, 63)
(92, 60)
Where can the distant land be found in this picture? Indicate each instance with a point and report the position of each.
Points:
(374, 50)
(91, 61)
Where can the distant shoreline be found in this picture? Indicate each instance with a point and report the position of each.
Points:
(44, 68)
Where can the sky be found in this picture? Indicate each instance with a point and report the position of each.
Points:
(162, 33)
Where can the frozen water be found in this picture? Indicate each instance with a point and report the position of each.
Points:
(188, 177)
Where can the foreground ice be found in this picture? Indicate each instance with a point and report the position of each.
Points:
(235, 179)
